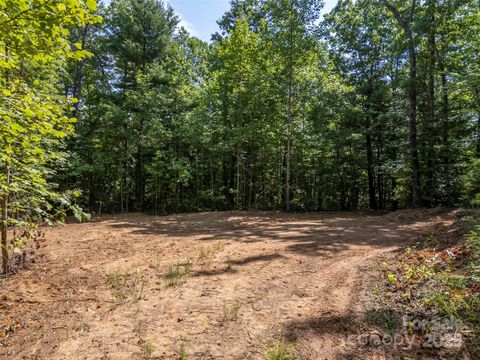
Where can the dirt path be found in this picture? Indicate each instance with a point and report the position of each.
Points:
(98, 290)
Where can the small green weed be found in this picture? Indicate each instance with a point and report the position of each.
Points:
(439, 277)
(182, 352)
(230, 312)
(126, 286)
(177, 274)
(207, 254)
(281, 350)
(117, 282)
(392, 278)
(146, 349)
(204, 254)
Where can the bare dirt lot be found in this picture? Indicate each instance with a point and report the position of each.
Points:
(224, 285)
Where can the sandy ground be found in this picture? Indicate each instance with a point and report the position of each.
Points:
(98, 291)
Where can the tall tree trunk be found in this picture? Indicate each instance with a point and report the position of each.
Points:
(289, 118)
(430, 118)
(139, 180)
(371, 176)
(477, 93)
(368, 143)
(4, 225)
(445, 113)
(250, 181)
(121, 191)
(406, 26)
(415, 165)
(478, 138)
(231, 181)
(237, 181)
(4, 198)
(380, 176)
(4, 236)
(212, 182)
(287, 177)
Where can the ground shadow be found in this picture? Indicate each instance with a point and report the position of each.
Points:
(377, 332)
(313, 234)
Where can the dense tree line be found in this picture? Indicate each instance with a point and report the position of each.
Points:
(374, 107)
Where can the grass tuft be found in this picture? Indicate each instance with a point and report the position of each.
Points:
(146, 349)
(178, 273)
(182, 352)
(207, 254)
(126, 286)
(281, 350)
(230, 311)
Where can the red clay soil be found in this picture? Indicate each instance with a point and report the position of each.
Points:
(98, 290)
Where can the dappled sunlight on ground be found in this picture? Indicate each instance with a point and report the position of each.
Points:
(300, 275)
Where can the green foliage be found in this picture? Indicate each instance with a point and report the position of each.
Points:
(80, 215)
(429, 282)
(281, 350)
(276, 104)
(392, 278)
(472, 183)
(35, 119)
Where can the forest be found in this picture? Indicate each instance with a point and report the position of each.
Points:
(375, 106)
(112, 107)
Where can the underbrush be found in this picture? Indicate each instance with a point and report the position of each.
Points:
(23, 243)
(433, 290)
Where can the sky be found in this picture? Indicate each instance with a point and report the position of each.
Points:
(200, 17)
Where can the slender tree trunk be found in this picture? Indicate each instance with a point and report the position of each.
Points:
(91, 184)
(416, 196)
(430, 118)
(289, 147)
(231, 181)
(380, 177)
(371, 176)
(156, 192)
(121, 191)
(4, 225)
(392, 196)
(477, 93)
(237, 181)
(139, 180)
(287, 177)
(212, 182)
(412, 95)
(250, 182)
(289, 119)
(445, 114)
(368, 143)
(4, 198)
(478, 138)
(4, 236)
